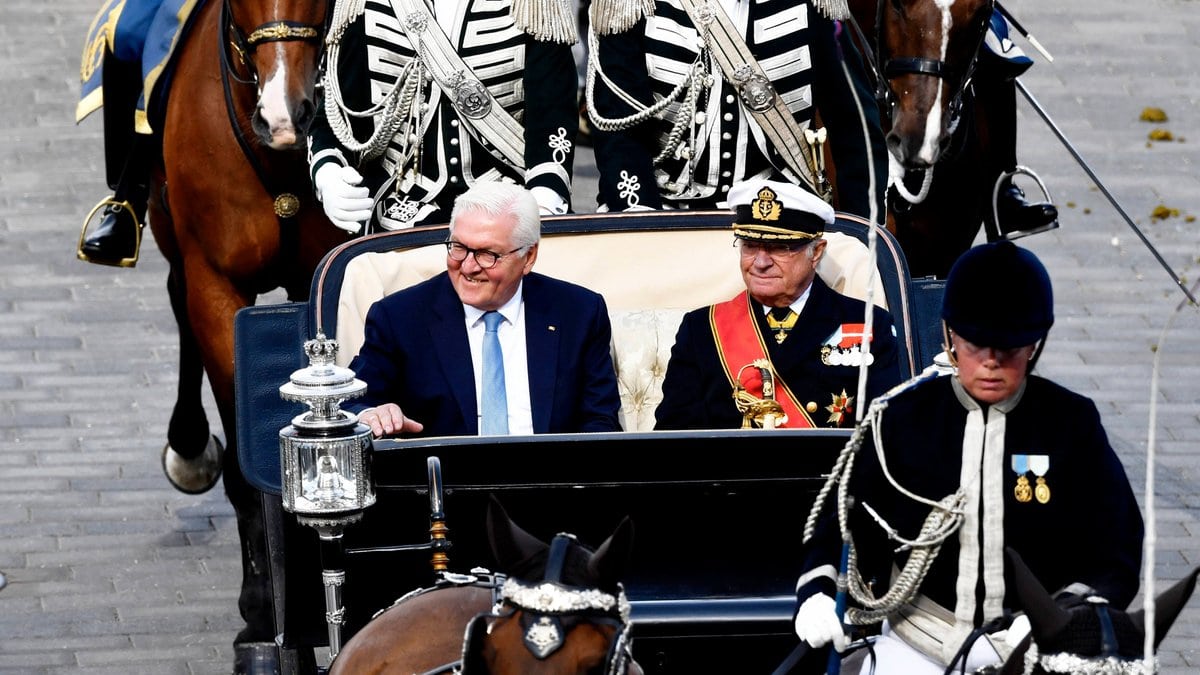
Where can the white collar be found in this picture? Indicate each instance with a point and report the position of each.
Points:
(511, 310)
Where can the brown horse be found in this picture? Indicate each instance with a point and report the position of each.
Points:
(559, 611)
(233, 213)
(924, 53)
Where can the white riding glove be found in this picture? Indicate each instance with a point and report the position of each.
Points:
(817, 623)
(346, 203)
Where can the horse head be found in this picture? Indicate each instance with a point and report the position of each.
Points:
(926, 52)
(276, 46)
(562, 607)
(1085, 634)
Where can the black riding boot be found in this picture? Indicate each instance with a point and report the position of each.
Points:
(115, 240)
(1014, 216)
(1019, 217)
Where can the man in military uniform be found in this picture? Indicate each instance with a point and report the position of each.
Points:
(974, 462)
(789, 346)
(423, 100)
(687, 98)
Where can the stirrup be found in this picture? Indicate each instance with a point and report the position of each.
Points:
(1020, 170)
(137, 236)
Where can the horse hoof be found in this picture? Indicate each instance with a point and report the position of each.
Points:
(255, 658)
(194, 476)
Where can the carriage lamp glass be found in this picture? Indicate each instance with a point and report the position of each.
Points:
(325, 453)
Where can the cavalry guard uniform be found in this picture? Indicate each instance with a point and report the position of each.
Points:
(124, 58)
(454, 93)
(809, 352)
(1036, 474)
(688, 97)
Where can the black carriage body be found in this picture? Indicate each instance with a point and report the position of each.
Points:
(718, 515)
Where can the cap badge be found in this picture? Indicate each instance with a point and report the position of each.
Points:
(766, 207)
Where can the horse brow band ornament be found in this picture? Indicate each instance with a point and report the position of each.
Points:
(281, 31)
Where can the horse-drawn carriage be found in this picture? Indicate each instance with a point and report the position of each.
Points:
(717, 514)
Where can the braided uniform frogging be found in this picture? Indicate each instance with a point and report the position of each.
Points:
(943, 521)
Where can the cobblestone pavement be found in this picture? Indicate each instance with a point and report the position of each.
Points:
(112, 571)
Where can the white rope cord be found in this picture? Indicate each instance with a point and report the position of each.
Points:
(1150, 540)
(944, 519)
(896, 180)
(687, 92)
(392, 110)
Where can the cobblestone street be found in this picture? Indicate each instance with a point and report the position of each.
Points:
(110, 570)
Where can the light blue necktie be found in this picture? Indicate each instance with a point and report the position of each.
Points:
(494, 400)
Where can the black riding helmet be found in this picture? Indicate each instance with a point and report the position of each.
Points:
(999, 295)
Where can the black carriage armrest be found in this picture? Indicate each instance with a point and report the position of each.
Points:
(614, 458)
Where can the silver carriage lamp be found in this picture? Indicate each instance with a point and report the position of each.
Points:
(325, 458)
(325, 453)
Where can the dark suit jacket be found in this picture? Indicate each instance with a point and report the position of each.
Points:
(696, 391)
(415, 353)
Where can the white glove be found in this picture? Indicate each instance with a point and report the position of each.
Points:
(817, 623)
(346, 203)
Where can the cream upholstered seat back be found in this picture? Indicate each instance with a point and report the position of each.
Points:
(649, 279)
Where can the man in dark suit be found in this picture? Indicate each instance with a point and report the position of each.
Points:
(788, 341)
(429, 353)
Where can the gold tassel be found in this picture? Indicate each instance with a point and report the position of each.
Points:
(834, 10)
(609, 17)
(546, 20)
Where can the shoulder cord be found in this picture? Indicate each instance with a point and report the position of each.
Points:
(944, 519)
(687, 92)
(387, 112)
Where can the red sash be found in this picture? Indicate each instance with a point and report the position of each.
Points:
(740, 342)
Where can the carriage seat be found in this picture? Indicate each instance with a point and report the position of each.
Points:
(649, 279)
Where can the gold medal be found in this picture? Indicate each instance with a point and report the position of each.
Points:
(1022, 491)
(781, 320)
(1042, 491)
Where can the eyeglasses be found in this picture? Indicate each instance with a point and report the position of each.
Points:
(483, 257)
(980, 352)
(774, 249)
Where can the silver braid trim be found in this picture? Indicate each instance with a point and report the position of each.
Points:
(835, 10)
(609, 17)
(546, 20)
(687, 93)
(944, 519)
(1077, 665)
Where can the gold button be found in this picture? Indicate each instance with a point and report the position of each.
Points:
(811, 406)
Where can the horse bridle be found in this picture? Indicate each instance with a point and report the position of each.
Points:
(545, 605)
(286, 204)
(885, 69)
(271, 31)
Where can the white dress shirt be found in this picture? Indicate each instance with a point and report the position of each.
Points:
(516, 361)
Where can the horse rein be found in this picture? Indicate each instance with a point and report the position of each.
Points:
(286, 204)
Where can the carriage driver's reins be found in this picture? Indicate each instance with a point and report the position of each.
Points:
(286, 203)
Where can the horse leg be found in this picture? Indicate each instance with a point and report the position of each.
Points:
(192, 456)
(212, 300)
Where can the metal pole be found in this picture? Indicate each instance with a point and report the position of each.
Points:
(1104, 190)
(1021, 29)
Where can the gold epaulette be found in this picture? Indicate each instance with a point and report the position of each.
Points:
(609, 17)
(835, 10)
(546, 20)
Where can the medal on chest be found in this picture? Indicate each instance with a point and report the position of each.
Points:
(1039, 465)
(844, 347)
